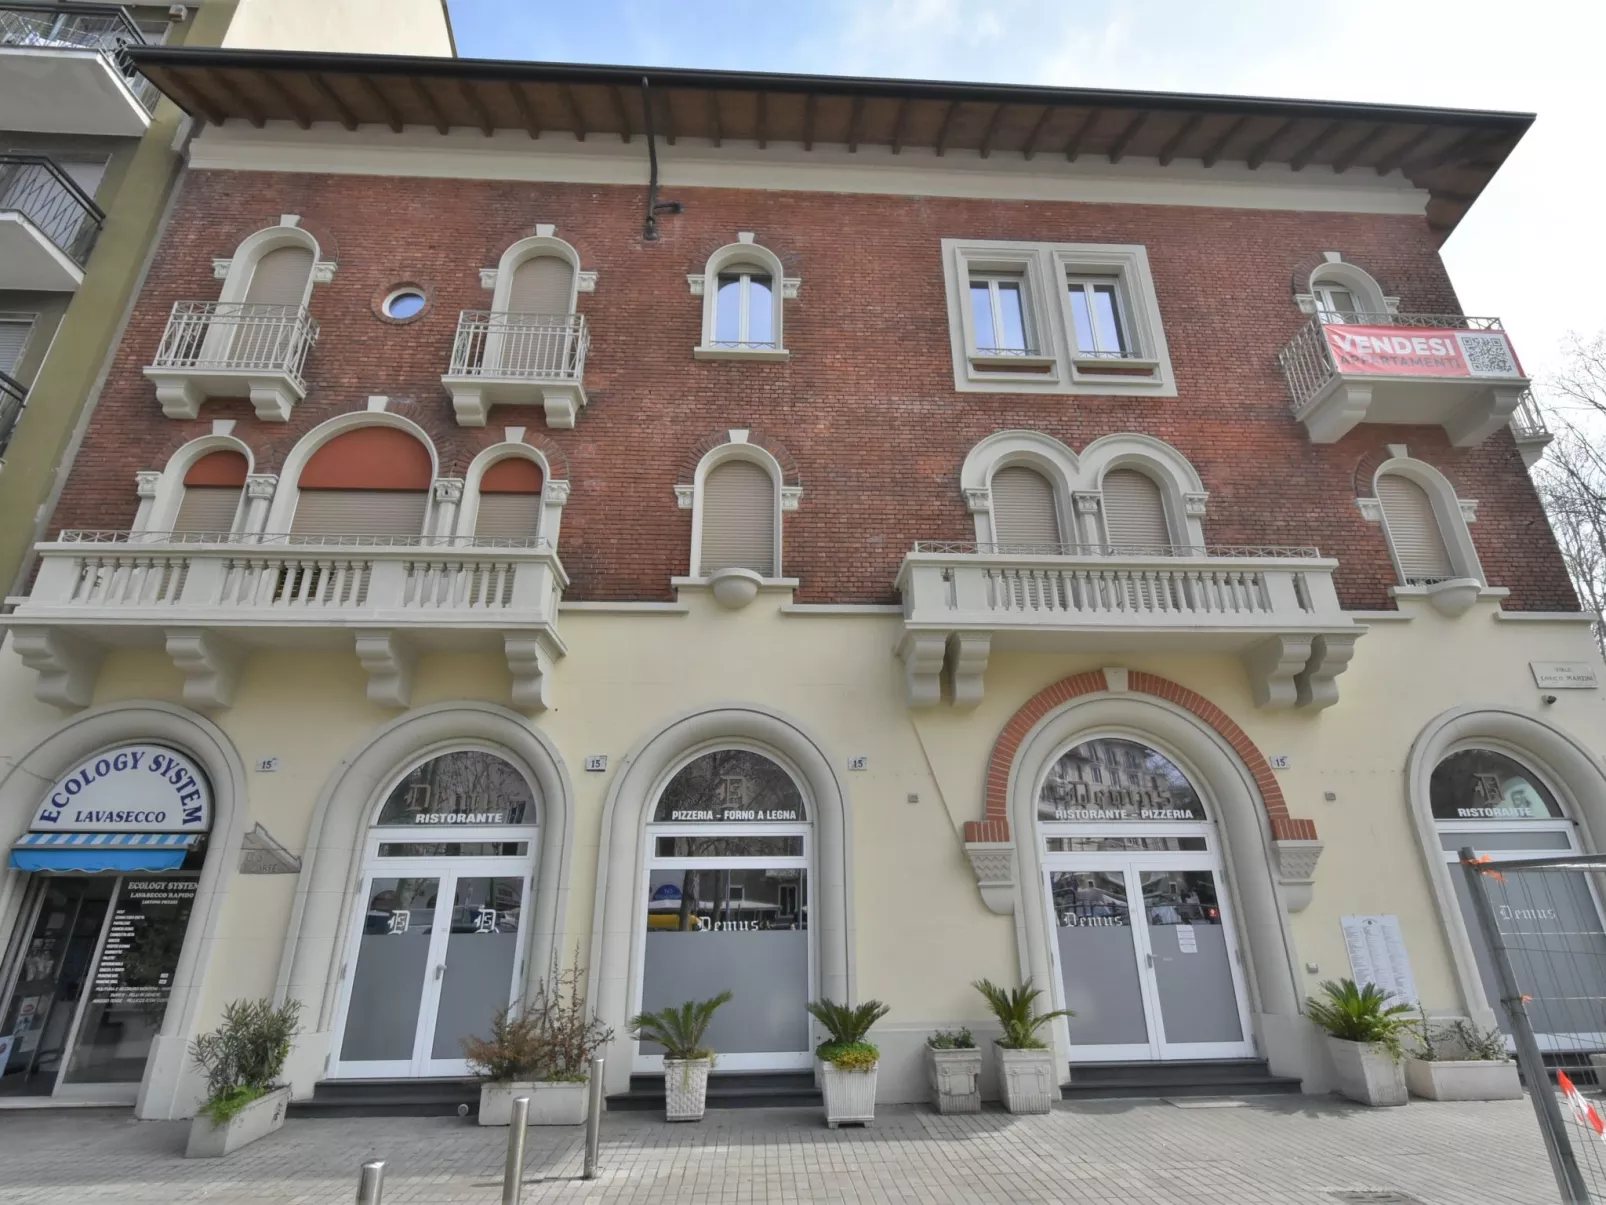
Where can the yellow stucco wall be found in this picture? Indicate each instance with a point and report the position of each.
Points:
(351, 26)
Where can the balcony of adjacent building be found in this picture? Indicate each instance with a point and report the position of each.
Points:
(65, 69)
(1275, 608)
(514, 359)
(233, 349)
(211, 599)
(48, 225)
(13, 397)
(1350, 367)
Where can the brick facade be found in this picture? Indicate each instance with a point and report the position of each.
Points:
(866, 408)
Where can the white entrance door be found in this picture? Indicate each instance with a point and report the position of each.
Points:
(435, 950)
(1146, 952)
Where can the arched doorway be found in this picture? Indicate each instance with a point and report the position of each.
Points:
(727, 905)
(1143, 943)
(1552, 921)
(438, 936)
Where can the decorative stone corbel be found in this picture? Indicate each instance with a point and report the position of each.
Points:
(557, 491)
(146, 481)
(210, 665)
(978, 499)
(1371, 509)
(1273, 665)
(922, 654)
(1087, 502)
(585, 282)
(790, 286)
(67, 665)
(530, 663)
(487, 278)
(449, 489)
(1316, 686)
(695, 281)
(1193, 505)
(1296, 871)
(390, 662)
(685, 495)
(323, 272)
(993, 863)
(220, 268)
(967, 666)
(1469, 509)
(791, 495)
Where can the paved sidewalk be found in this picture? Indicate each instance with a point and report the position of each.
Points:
(1286, 1151)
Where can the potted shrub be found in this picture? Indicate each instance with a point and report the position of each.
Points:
(953, 1071)
(242, 1059)
(1363, 1035)
(543, 1053)
(686, 1061)
(1460, 1061)
(847, 1062)
(1025, 1062)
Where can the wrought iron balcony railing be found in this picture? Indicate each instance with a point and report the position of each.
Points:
(526, 347)
(1528, 423)
(233, 336)
(13, 396)
(37, 188)
(105, 28)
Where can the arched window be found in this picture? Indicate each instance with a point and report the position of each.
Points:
(1342, 292)
(742, 286)
(510, 500)
(371, 481)
(1420, 551)
(1134, 511)
(542, 284)
(280, 277)
(1025, 512)
(739, 518)
(211, 497)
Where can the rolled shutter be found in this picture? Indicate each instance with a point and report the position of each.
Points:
(280, 277)
(508, 517)
(738, 519)
(207, 508)
(1134, 511)
(360, 513)
(13, 336)
(1413, 530)
(541, 285)
(1024, 513)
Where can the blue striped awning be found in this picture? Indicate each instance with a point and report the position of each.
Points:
(89, 852)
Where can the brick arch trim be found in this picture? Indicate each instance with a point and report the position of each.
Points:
(755, 436)
(995, 825)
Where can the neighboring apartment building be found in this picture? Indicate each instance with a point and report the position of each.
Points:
(89, 156)
(935, 532)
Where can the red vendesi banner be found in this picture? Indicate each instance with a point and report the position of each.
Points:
(1420, 351)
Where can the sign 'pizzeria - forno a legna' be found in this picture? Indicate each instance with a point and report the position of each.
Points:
(128, 789)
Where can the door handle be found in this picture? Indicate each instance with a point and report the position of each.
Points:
(1150, 957)
(440, 969)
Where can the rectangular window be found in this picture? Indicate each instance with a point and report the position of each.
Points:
(998, 310)
(1097, 326)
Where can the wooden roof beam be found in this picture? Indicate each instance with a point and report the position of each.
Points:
(277, 87)
(1029, 147)
(855, 120)
(1450, 154)
(1259, 152)
(941, 141)
(992, 128)
(1301, 158)
(1073, 147)
(1118, 150)
(392, 117)
(808, 121)
(469, 91)
(431, 105)
(1397, 156)
(1213, 153)
(573, 106)
(666, 116)
(1168, 151)
(761, 120)
(521, 102)
(898, 130)
(715, 134)
(1347, 160)
(621, 113)
(341, 108)
(188, 98)
(230, 89)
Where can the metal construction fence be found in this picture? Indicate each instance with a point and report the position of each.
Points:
(1540, 923)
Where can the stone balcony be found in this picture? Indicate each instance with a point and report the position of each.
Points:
(507, 359)
(1275, 608)
(222, 349)
(211, 600)
(64, 69)
(1406, 369)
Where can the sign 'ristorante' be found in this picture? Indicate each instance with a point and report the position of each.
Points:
(129, 789)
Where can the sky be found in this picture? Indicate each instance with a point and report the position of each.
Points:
(1530, 252)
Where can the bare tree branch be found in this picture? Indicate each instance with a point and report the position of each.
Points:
(1572, 477)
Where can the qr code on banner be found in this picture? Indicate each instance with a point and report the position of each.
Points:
(1488, 355)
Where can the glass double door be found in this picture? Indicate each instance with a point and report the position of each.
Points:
(436, 952)
(1147, 958)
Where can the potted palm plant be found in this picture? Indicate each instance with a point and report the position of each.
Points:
(1363, 1036)
(1025, 1062)
(953, 1071)
(242, 1059)
(686, 1062)
(847, 1062)
(1461, 1061)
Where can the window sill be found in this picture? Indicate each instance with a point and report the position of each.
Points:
(740, 353)
(1107, 368)
(994, 367)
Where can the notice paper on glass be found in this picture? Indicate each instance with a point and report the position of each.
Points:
(1187, 940)
(1377, 955)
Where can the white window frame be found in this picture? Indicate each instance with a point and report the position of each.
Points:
(554, 491)
(1452, 513)
(735, 450)
(1059, 366)
(745, 253)
(1087, 284)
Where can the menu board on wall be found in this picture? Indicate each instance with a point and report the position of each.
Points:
(1377, 955)
(142, 944)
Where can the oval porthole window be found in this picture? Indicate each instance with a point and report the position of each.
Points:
(404, 303)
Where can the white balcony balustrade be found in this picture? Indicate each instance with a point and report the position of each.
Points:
(64, 69)
(1530, 431)
(226, 349)
(1409, 369)
(1275, 607)
(508, 359)
(210, 599)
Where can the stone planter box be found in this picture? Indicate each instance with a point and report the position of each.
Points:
(1026, 1079)
(257, 1120)
(550, 1104)
(1463, 1079)
(1367, 1074)
(849, 1095)
(686, 1088)
(954, 1077)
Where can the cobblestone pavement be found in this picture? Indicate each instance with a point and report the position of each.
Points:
(1288, 1151)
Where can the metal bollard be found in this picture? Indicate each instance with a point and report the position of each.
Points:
(372, 1184)
(513, 1174)
(594, 1117)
